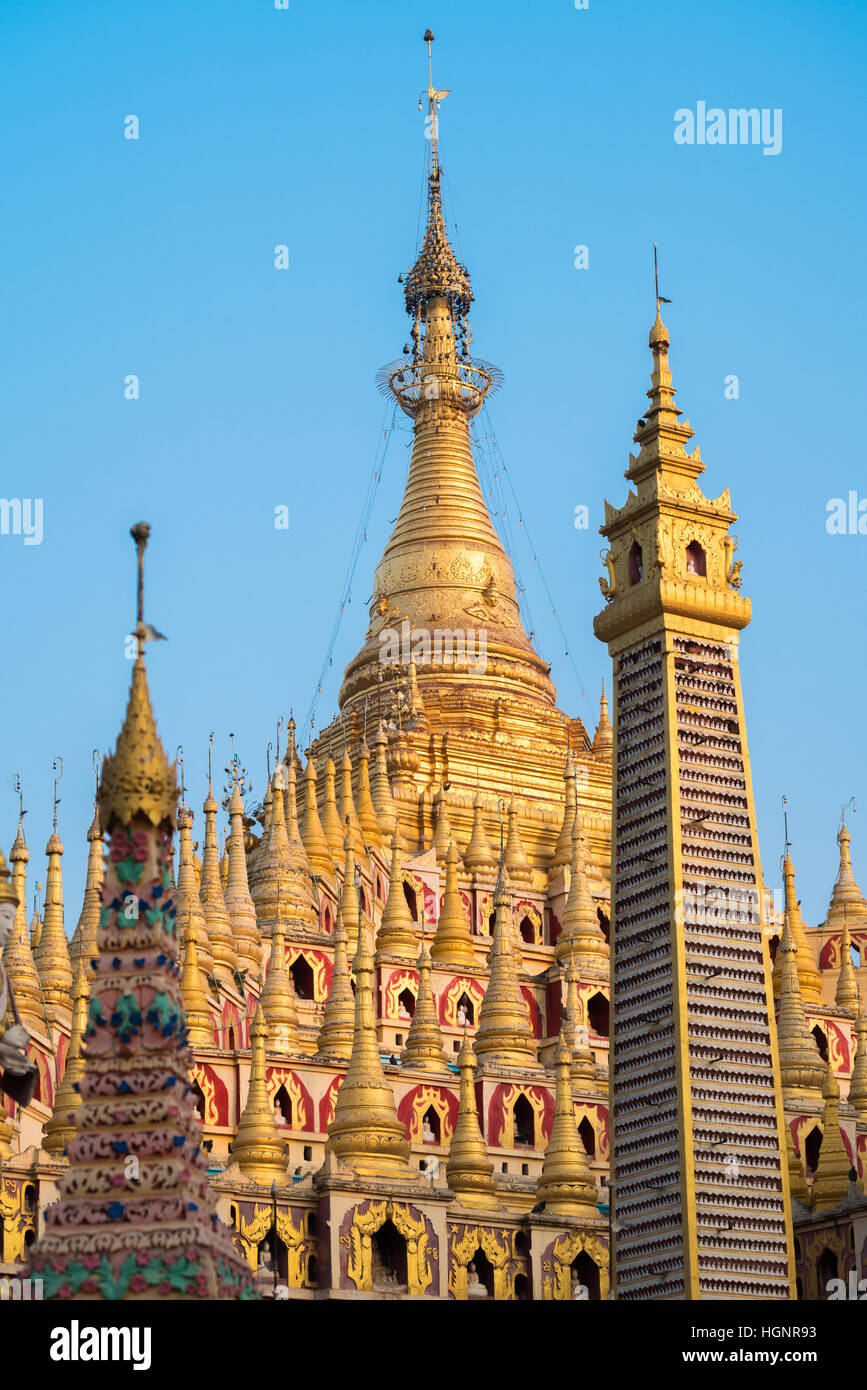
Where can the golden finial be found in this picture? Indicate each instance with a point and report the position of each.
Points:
(583, 1063)
(581, 929)
(197, 1010)
(847, 900)
(18, 960)
(51, 956)
(257, 1147)
(331, 822)
(517, 863)
(453, 942)
(312, 833)
(469, 1171)
(61, 1126)
(565, 1184)
(277, 1000)
(83, 945)
(338, 1025)
(831, 1183)
(217, 919)
(424, 1044)
(563, 847)
(381, 793)
(847, 995)
(349, 894)
(809, 978)
(137, 776)
(274, 875)
(397, 931)
(188, 902)
(603, 739)
(365, 1132)
(479, 858)
(239, 903)
(802, 1070)
(348, 813)
(504, 1035)
(367, 816)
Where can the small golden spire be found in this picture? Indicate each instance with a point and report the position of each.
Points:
(846, 899)
(257, 1147)
(581, 930)
(61, 1127)
(847, 995)
(563, 847)
(809, 978)
(424, 1049)
(239, 903)
(797, 1182)
(453, 942)
(224, 866)
(831, 1183)
(565, 1184)
(52, 954)
(517, 863)
(857, 1096)
(219, 923)
(397, 932)
(603, 739)
(83, 947)
(36, 921)
(583, 1063)
(367, 816)
(469, 1171)
(200, 1024)
(187, 899)
(381, 793)
(298, 857)
(331, 822)
(504, 1035)
(274, 876)
(312, 834)
(338, 1025)
(346, 807)
(479, 858)
(18, 960)
(802, 1070)
(365, 1132)
(349, 905)
(277, 1000)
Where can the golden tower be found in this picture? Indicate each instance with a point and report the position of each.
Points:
(696, 1100)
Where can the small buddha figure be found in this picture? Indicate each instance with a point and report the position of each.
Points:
(578, 1292)
(475, 1287)
(462, 1015)
(427, 1134)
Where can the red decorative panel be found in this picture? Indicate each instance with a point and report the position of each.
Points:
(326, 1104)
(500, 1127)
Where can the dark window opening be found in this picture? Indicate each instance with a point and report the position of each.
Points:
(598, 1015)
(302, 973)
(821, 1043)
(273, 1255)
(308, 1152)
(388, 1265)
(811, 1149)
(283, 1107)
(326, 918)
(826, 1270)
(525, 1122)
(696, 562)
(480, 1276)
(312, 1271)
(773, 947)
(406, 1003)
(635, 563)
(587, 1135)
(527, 930)
(430, 1127)
(465, 1013)
(605, 924)
(585, 1271)
(411, 901)
(199, 1101)
(522, 1287)
(232, 1042)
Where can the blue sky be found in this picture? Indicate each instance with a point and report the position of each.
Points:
(261, 127)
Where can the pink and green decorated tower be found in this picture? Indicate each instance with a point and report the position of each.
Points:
(135, 1218)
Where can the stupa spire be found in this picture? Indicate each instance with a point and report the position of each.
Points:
(831, 1183)
(857, 1096)
(563, 848)
(365, 1132)
(346, 806)
(17, 953)
(453, 942)
(312, 834)
(61, 1126)
(469, 1170)
(277, 1000)
(847, 995)
(424, 1044)
(381, 793)
(581, 934)
(117, 1233)
(565, 1184)
(367, 817)
(802, 1070)
(603, 739)
(239, 903)
(82, 946)
(211, 891)
(187, 897)
(517, 863)
(52, 954)
(583, 1063)
(397, 931)
(504, 1035)
(808, 975)
(257, 1147)
(349, 904)
(479, 857)
(331, 822)
(197, 1010)
(338, 1025)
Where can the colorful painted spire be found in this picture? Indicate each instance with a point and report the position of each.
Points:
(397, 931)
(257, 1147)
(565, 1184)
(504, 1035)
(365, 1132)
(469, 1170)
(136, 1218)
(453, 942)
(18, 960)
(424, 1044)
